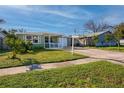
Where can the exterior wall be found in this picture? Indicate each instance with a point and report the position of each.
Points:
(122, 42)
(102, 41)
(2, 44)
(21, 37)
(60, 43)
(40, 39)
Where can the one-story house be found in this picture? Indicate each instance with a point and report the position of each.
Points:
(44, 39)
(87, 40)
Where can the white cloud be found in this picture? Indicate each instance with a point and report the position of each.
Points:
(27, 28)
(52, 24)
(20, 7)
(67, 12)
(60, 13)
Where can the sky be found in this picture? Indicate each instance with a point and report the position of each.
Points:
(62, 19)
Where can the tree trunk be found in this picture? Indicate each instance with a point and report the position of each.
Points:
(118, 46)
(13, 54)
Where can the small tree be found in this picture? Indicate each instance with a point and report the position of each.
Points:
(25, 46)
(12, 41)
(17, 45)
(95, 39)
(109, 37)
(118, 33)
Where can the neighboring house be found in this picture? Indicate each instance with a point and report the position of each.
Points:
(1, 40)
(43, 39)
(2, 44)
(122, 42)
(87, 40)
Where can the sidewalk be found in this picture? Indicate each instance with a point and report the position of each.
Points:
(22, 69)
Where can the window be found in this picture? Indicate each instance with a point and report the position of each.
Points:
(29, 37)
(54, 39)
(35, 39)
(46, 39)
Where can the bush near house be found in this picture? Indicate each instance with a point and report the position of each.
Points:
(17, 45)
(98, 74)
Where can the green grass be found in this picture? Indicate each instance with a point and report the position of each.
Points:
(3, 51)
(38, 57)
(112, 48)
(97, 74)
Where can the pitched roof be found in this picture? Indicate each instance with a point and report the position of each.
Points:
(2, 34)
(95, 34)
(37, 33)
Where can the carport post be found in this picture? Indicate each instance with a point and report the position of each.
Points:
(72, 45)
(73, 37)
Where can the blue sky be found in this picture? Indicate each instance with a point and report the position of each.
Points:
(58, 19)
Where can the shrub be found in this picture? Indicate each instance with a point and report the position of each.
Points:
(17, 45)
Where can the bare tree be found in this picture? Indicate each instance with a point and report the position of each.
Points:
(95, 26)
(21, 30)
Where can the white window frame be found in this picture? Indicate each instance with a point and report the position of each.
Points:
(32, 38)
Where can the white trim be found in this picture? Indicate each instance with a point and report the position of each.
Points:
(57, 45)
(72, 45)
(44, 41)
(49, 39)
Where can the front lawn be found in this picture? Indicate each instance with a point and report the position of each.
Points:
(112, 48)
(97, 74)
(38, 57)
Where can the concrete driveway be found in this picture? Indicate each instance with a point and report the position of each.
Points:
(102, 54)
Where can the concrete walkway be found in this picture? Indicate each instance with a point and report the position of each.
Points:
(22, 69)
